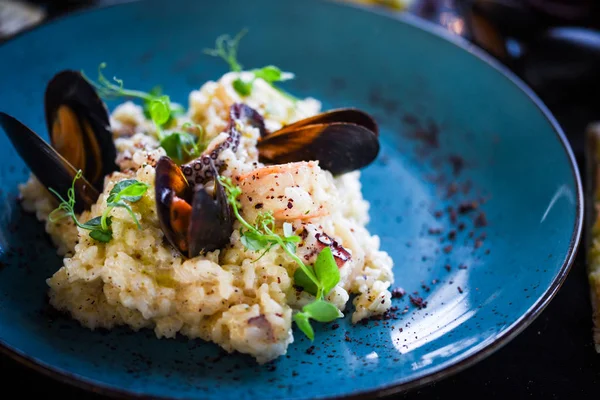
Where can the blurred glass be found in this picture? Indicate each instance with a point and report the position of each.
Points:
(16, 16)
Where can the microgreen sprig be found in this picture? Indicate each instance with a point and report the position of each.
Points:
(128, 190)
(319, 282)
(180, 146)
(227, 48)
(114, 90)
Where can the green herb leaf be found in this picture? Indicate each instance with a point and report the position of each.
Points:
(160, 111)
(95, 223)
(173, 147)
(180, 146)
(254, 241)
(327, 270)
(101, 236)
(97, 233)
(302, 280)
(130, 190)
(270, 73)
(304, 324)
(243, 88)
(118, 187)
(134, 192)
(322, 311)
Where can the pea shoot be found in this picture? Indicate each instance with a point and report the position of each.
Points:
(227, 48)
(318, 281)
(109, 91)
(125, 191)
(180, 146)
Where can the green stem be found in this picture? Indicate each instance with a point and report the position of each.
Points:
(241, 219)
(137, 94)
(271, 236)
(300, 263)
(103, 223)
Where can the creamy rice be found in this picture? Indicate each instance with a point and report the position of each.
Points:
(226, 296)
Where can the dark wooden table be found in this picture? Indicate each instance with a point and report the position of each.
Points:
(553, 358)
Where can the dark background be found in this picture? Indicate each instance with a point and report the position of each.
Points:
(554, 46)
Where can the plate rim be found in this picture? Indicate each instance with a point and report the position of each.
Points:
(445, 370)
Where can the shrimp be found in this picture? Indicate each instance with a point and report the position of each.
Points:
(291, 191)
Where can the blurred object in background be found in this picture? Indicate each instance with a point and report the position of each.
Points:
(458, 17)
(16, 16)
(553, 45)
(562, 64)
(397, 5)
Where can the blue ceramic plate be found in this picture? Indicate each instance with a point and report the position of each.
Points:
(455, 128)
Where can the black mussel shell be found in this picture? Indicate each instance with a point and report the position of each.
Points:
(212, 221)
(192, 220)
(339, 147)
(50, 168)
(173, 198)
(340, 115)
(79, 126)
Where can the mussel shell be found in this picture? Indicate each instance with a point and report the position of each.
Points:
(79, 126)
(340, 115)
(192, 221)
(339, 147)
(50, 168)
(211, 223)
(169, 185)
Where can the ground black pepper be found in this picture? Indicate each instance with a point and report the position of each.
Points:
(466, 207)
(457, 164)
(481, 220)
(398, 293)
(418, 302)
(453, 215)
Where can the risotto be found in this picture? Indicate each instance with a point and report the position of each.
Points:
(244, 294)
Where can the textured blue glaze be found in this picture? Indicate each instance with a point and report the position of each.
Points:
(344, 56)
